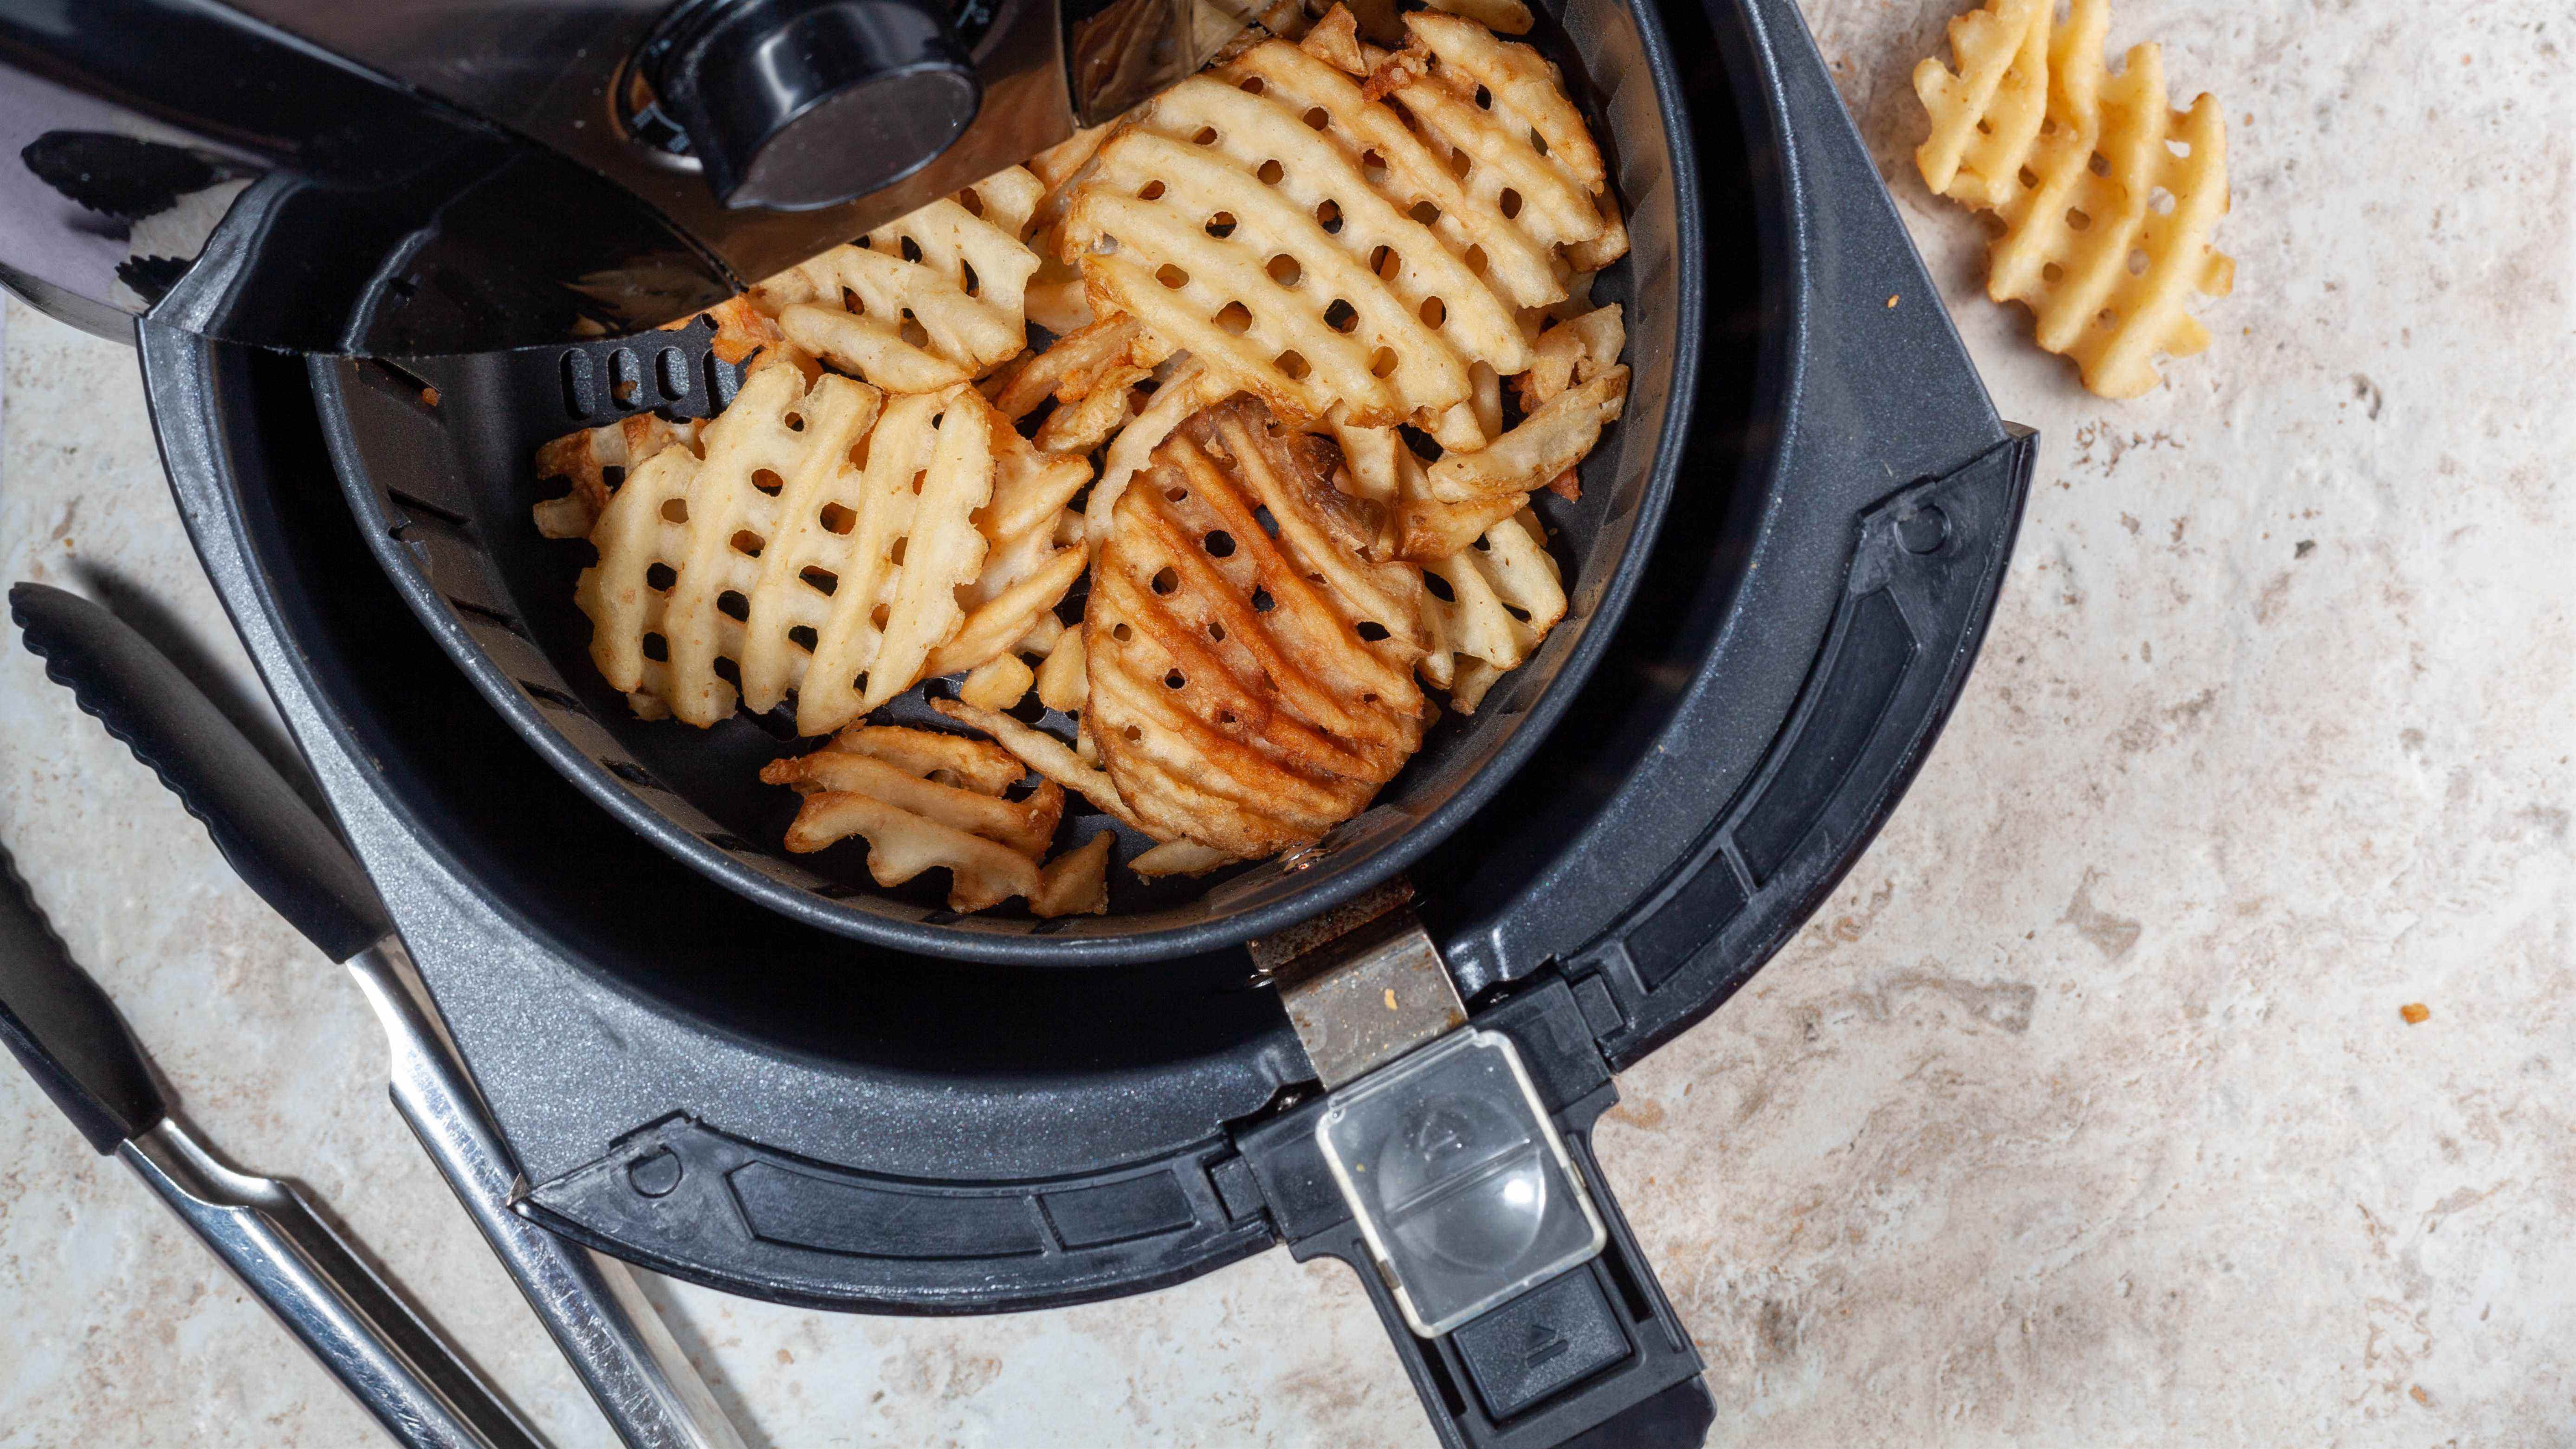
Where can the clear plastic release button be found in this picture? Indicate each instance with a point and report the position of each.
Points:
(1459, 1181)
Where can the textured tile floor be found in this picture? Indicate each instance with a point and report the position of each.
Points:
(2083, 1113)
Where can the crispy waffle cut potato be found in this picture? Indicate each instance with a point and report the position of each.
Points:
(1503, 595)
(925, 801)
(933, 299)
(1314, 245)
(845, 583)
(594, 461)
(2108, 196)
(1249, 691)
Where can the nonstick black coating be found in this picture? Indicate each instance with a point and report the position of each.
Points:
(443, 484)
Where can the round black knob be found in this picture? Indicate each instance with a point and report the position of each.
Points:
(799, 104)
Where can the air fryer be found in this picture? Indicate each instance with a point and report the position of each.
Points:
(700, 1083)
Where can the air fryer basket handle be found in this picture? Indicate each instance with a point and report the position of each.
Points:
(1594, 1357)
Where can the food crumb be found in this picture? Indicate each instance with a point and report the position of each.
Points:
(2417, 1393)
(1390, 998)
(1891, 299)
(2416, 1013)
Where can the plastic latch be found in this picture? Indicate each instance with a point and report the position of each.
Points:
(1436, 1136)
(1458, 1180)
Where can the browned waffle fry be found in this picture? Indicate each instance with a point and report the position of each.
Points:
(950, 759)
(2108, 196)
(936, 298)
(924, 801)
(1245, 691)
(1024, 825)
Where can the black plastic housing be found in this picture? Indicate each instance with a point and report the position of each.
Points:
(856, 1128)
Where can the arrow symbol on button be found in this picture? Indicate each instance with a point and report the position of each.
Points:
(1542, 1343)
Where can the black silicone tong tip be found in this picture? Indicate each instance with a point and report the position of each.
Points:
(269, 834)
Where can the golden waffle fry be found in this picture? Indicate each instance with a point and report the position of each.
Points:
(997, 683)
(1246, 691)
(1186, 388)
(1024, 825)
(1313, 246)
(934, 299)
(2109, 198)
(1505, 593)
(1335, 40)
(814, 575)
(1061, 684)
(1067, 371)
(925, 801)
(594, 461)
(1548, 441)
(901, 845)
(1179, 857)
(1985, 117)
(949, 759)
(1050, 757)
(1504, 17)
(1076, 883)
(1578, 349)
(1528, 151)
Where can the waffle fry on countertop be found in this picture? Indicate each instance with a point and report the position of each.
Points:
(2108, 196)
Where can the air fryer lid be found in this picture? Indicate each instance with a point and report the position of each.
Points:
(444, 490)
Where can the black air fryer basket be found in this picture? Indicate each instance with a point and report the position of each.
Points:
(443, 490)
(754, 1100)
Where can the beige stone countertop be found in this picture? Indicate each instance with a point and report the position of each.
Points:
(2083, 1113)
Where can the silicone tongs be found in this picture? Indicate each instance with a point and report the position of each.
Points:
(66, 1033)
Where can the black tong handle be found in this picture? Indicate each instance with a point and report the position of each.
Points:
(272, 837)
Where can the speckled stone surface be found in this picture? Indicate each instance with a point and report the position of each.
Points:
(2083, 1113)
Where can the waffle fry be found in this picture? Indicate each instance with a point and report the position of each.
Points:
(997, 683)
(936, 298)
(1503, 17)
(1050, 757)
(1505, 593)
(2108, 196)
(594, 461)
(1548, 441)
(949, 759)
(1188, 388)
(1061, 685)
(1249, 692)
(1076, 883)
(1315, 246)
(925, 801)
(1178, 857)
(802, 569)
